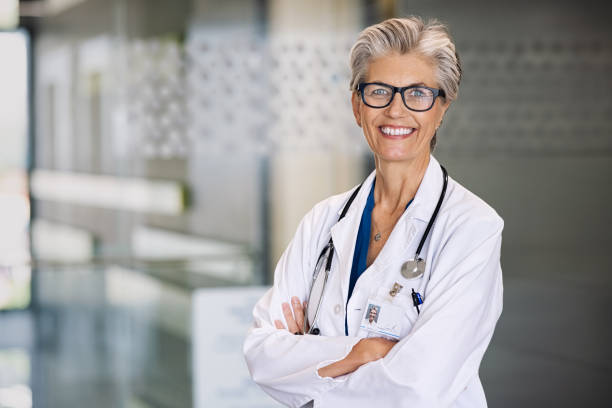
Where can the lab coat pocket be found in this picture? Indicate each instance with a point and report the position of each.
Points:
(402, 298)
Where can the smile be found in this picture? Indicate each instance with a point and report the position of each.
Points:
(396, 131)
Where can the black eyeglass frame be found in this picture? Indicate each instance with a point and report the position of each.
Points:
(436, 92)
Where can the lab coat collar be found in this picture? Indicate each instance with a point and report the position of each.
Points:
(344, 232)
(425, 199)
(428, 193)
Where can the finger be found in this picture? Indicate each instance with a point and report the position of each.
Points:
(291, 325)
(305, 306)
(298, 312)
(279, 324)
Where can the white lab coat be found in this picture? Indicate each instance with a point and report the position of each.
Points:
(436, 362)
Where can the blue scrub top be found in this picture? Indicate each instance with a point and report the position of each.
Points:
(360, 255)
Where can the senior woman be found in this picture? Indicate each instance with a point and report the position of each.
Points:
(409, 242)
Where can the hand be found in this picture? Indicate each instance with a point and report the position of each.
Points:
(370, 349)
(295, 319)
(363, 352)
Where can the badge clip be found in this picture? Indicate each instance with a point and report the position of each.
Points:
(395, 289)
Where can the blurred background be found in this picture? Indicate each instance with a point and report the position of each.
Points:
(156, 157)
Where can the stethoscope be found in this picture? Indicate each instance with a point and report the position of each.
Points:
(411, 269)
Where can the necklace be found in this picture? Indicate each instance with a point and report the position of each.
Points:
(379, 232)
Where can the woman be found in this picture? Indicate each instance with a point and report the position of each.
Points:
(434, 318)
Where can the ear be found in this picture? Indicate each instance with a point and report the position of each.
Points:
(443, 108)
(356, 102)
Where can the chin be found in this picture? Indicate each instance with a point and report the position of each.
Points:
(397, 155)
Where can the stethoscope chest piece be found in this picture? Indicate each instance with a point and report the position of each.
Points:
(413, 268)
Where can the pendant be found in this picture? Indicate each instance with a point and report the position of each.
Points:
(412, 269)
(377, 237)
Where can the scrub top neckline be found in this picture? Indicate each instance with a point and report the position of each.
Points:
(362, 243)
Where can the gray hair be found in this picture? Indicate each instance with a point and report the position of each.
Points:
(405, 35)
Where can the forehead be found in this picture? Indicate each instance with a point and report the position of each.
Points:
(402, 70)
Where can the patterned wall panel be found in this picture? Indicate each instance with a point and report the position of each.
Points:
(246, 96)
(258, 97)
(310, 107)
(539, 97)
(536, 96)
(228, 96)
(156, 98)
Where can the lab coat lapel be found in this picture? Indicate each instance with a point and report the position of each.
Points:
(414, 220)
(344, 234)
(429, 190)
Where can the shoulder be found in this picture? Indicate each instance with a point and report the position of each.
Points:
(463, 211)
(326, 212)
(314, 230)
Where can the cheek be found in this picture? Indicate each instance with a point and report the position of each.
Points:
(366, 122)
(370, 135)
(437, 116)
(429, 123)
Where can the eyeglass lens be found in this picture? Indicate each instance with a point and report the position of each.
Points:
(417, 98)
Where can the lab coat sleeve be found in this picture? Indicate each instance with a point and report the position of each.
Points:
(285, 365)
(441, 355)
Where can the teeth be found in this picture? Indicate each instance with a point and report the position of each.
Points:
(396, 131)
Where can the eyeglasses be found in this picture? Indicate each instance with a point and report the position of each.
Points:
(417, 98)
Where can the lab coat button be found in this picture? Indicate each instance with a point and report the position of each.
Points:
(337, 309)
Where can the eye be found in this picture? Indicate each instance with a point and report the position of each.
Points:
(419, 92)
(379, 91)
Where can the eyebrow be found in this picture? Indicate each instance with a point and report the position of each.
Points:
(413, 84)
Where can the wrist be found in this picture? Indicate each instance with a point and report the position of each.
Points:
(356, 358)
(347, 365)
(336, 369)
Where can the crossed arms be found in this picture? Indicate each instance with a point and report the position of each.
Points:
(366, 350)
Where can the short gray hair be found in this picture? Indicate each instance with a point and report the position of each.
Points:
(405, 35)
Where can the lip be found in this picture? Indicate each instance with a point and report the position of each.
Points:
(396, 137)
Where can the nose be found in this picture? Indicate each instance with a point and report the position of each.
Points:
(396, 108)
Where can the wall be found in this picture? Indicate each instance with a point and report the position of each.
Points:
(531, 134)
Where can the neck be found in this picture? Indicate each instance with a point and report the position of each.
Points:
(397, 183)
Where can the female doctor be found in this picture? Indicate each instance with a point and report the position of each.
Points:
(409, 242)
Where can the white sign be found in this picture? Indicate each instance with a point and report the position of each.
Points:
(221, 318)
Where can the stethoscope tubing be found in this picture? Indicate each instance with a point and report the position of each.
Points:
(330, 247)
(435, 213)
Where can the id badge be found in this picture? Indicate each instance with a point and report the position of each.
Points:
(381, 319)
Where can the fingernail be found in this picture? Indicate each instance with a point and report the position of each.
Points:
(295, 300)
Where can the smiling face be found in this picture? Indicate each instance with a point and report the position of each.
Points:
(396, 133)
(372, 315)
